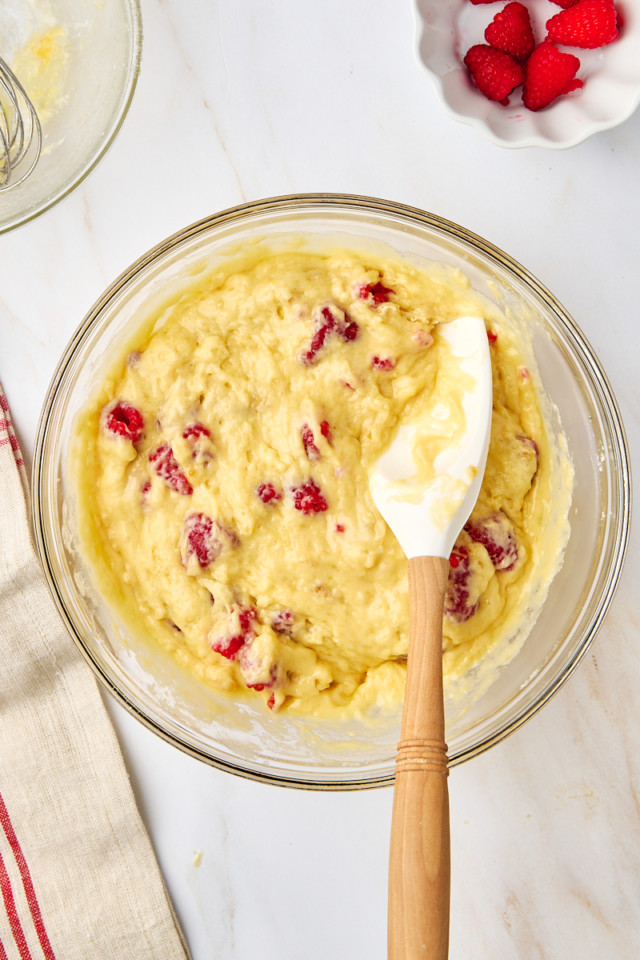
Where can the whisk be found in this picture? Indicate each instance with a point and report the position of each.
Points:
(20, 132)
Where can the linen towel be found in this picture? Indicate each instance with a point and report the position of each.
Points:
(78, 876)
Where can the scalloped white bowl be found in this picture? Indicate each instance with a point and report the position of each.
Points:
(611, 75)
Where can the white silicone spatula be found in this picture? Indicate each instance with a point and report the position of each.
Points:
(426, 527)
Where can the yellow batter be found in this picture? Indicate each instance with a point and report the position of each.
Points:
(222, 472)
(42, 67)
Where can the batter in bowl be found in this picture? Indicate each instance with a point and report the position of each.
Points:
(37, 47)
(222, 474)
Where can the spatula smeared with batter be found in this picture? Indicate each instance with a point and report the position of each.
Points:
(426, 511)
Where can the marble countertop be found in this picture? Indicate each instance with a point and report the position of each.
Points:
(240, 101)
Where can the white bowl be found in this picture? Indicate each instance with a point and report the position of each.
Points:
(87, 103)
(611, 75)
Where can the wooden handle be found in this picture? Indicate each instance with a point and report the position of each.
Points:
(419, 862)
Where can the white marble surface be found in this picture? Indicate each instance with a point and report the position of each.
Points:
(239, 101)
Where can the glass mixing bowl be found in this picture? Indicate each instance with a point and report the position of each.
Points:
(244, 738)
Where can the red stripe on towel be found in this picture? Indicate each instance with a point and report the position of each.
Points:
(12, 913)
(27, 882)
(7, 436)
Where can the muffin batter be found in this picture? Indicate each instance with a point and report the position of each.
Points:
(222, 473)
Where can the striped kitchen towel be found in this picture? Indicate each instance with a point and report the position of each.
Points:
(78, 876)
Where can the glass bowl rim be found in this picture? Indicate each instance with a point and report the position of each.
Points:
(313, 203)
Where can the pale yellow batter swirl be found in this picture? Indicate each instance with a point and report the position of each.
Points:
(222, 473)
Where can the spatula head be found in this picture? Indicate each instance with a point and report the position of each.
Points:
(426, 506)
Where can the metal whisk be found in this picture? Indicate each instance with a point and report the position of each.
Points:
(20, 132)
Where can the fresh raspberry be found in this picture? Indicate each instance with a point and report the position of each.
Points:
(549, 74)
(528, 454)
(229, 647)
(247, 616)
(125, 420)
(145, 490)
(167, 467)
(257, 672)
(309, 443)
(511, 31)
(195, 430)
(268, 493)
(325, 430)
(341, 322)
(476, 2)
(423, 338)
(495, 73)
(199, 439)
(263, 684)
(330, 319)
(374, 293)
(529, 443)
(308, 357)
(230, 644)
(282, 622)
(382, 363)
(457, 605)
(199, 541)
(496, 535)
(309, 498)
(586, 24)
(325, 324)
(348, 329)
(564, 3)
(229, 533)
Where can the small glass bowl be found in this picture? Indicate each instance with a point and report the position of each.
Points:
(243, 737)
(104, 43)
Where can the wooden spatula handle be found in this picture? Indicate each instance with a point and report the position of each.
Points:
(419, 863)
